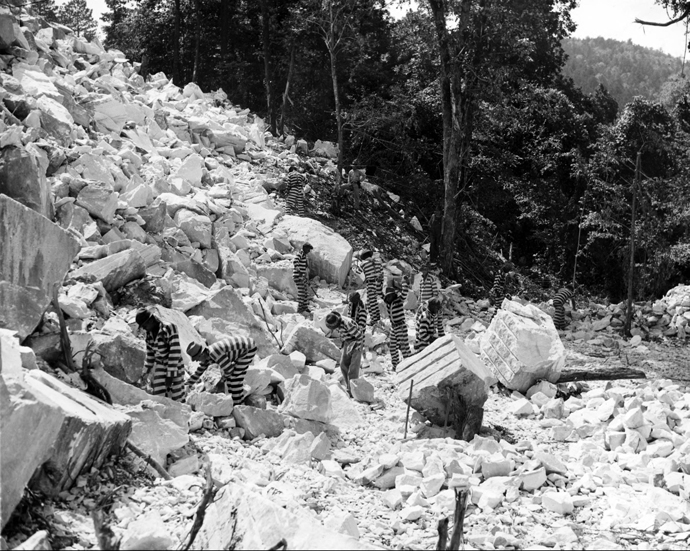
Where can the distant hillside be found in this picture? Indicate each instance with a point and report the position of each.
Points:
(625, 69)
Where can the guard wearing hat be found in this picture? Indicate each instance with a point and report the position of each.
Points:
(232, 354)
(398, 340)
(352, 338)
(163, 355)
(300, 273)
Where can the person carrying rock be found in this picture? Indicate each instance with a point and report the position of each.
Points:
(163, 362)
(232, 354)
(373, 278)
(563, 295)
(398, 340)
(295, 192)
(300, 273)
(352, 338)
(425, 324)
(357, 310)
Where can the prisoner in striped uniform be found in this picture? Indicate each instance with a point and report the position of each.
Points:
(498, 291)
(295, 192)
(352, 337)
(356, 309)
(163, 356)
(232, 354)
(300, 273)
(398, 340)
(429, 289)
(373, 278)
(562, 296)
(425, 324)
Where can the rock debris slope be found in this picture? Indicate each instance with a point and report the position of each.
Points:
(118, 192)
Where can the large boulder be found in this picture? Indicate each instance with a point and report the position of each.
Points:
(307, 398)
(240, 518)
(279, 276)
(257, 421)
(36, 255)
(225, 314)
(91, 431)
(154, 435)
(522, 345)
(121, 354)
(22, 179)
(197, 227)
(114, 271)
(312, 343)
(450, 383)
(332, 254)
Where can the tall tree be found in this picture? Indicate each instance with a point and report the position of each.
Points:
(45, 8)
(76, 15)
(268, 71)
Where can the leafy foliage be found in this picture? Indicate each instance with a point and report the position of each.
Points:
(76, 15)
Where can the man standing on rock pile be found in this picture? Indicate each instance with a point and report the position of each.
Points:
(425, 324)
(163, 355)
(300, 273)
(373, 278)
(233, 355)
(352, 338)
(295, 192)
(356, 309)
(429, 289)
(562, 296)
(398, 341)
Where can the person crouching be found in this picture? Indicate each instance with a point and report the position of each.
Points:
(233, 355)
(352, 338)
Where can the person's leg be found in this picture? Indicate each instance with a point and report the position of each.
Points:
(302, 296)
(237, 378)
(345, 367)
(177, 389)
(355, 363)
(158, 387)
(402, 339)
(373, 304)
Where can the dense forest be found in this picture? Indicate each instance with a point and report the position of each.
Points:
(625, 69)
(479, 120)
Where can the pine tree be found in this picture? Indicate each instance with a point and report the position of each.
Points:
(45, 8)
(76, 15)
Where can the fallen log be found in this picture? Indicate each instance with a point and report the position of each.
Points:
(600, 374)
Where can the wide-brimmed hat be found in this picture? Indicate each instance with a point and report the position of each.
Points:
(194, 350)
(333, 320)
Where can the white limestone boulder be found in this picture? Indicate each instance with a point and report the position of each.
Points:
(307, 398)
(522, 345)
(312, 343)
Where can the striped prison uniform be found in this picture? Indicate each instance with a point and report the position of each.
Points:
(562, 296)
(358, 313)
(164, 356)
(233, 355)
(295, 197)
(352, 336)
(428, 289)
(300, 273)
(498, 290)
(426, 328)
(373, 277)
(399, 342)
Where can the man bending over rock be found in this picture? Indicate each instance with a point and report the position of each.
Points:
(163, 355)
(232, 354)
(353, 344)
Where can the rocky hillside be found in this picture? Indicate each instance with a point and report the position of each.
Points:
(118, 192)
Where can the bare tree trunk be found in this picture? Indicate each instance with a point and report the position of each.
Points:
(176, 46)
(197, 39)
(338, 118)
(268, 73)
(286, 93)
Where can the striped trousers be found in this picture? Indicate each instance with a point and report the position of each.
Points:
(398, 343)
(236, 378)
(295, 201)
(559, 316)
(302, 294)
(373, 292)
(176, 391)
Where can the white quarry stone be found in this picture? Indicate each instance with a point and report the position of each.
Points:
(558, 502)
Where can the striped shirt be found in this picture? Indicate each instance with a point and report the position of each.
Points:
(225, 353)
(295, 180)
(498, 289)
(164, 349)
(373, 272)
(358, 313)
(300, 267)
(428, 288)
(396, 313)
(425, 326)
(351, 332)
(562, 296)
